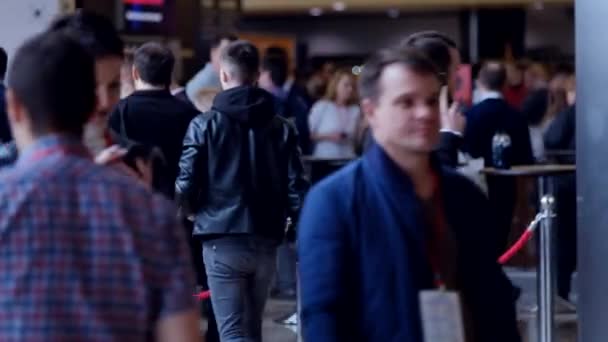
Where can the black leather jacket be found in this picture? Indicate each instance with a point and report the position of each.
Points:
(241, 170)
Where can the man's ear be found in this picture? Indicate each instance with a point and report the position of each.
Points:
(368, 107)
(15, 110)
(135, 73)
(224, 77)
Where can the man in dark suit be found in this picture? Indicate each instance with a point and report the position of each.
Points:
(561, 135)
(5, 130)
(387, 226)
(151, 115)
(291, 101)
(484, 120)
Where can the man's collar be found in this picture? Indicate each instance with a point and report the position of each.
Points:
(52, 144)
(388, 169)
(489, 94)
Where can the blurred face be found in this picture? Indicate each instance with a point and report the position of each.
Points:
(127, 85)
(345, 89)
(107, 71)
(535, 77)
(405, 116)
(571, 90)
(265, 82)
(108, 75)
(454, 65)
(515, 76)
(559, 81)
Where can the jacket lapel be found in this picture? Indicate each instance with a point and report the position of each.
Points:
(396, 194)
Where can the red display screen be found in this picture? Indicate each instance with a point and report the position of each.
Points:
(145, 2)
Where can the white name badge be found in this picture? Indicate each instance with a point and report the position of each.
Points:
(441, 315)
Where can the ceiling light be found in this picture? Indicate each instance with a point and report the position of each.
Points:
(393, 13)
(339, 6)
(539, 5)
(316, 11)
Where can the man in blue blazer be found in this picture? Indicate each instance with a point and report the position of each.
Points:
(376, 233)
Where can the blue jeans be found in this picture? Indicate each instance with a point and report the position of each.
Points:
(239, 272)
(286, 268)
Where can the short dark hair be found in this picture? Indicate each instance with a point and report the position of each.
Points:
(3, 63)
(276, 62)
(220, 37)
(95, 32)
(493, 75)
(422, 35)
(243, 59)
(155, 63)
(436, 46)
(369, 79)
(55, 80)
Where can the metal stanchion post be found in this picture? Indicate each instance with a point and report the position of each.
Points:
(546, 271)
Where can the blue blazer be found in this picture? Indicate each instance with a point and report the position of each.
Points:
(363, 259)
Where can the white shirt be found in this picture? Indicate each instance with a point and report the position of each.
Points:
(488, 94)
(206, 78)
(328, 118)
(537, 134)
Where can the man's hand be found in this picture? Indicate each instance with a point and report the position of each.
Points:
(112, 156)
(452, 119)
(180, 327)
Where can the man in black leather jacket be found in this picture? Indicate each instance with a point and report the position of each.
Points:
(241, 176)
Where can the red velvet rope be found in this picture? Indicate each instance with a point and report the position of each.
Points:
(525, 237)
(508, 255)
(203, 295)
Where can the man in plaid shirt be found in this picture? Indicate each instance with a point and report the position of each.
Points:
(86, 253)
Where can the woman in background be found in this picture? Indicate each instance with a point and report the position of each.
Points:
(333, 120)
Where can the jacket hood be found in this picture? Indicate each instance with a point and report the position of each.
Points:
(247, 104)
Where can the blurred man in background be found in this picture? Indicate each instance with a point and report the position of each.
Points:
(99, 37)
(151, 115)
(108, 255)
(493, 115)
(208, 77)
(443, 52)
(241, 177)
(292, 102)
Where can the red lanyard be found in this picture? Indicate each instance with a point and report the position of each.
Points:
(434, 246)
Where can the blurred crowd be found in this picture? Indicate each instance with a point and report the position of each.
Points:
(99, 145)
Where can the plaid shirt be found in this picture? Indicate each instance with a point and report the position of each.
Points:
(86, 254)
(8, 154)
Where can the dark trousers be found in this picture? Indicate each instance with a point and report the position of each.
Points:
(286, 268)
(239, 272)
(212, 334)
(502, 196)
(566, 234)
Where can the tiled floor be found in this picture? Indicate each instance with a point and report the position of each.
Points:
(274, 332)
